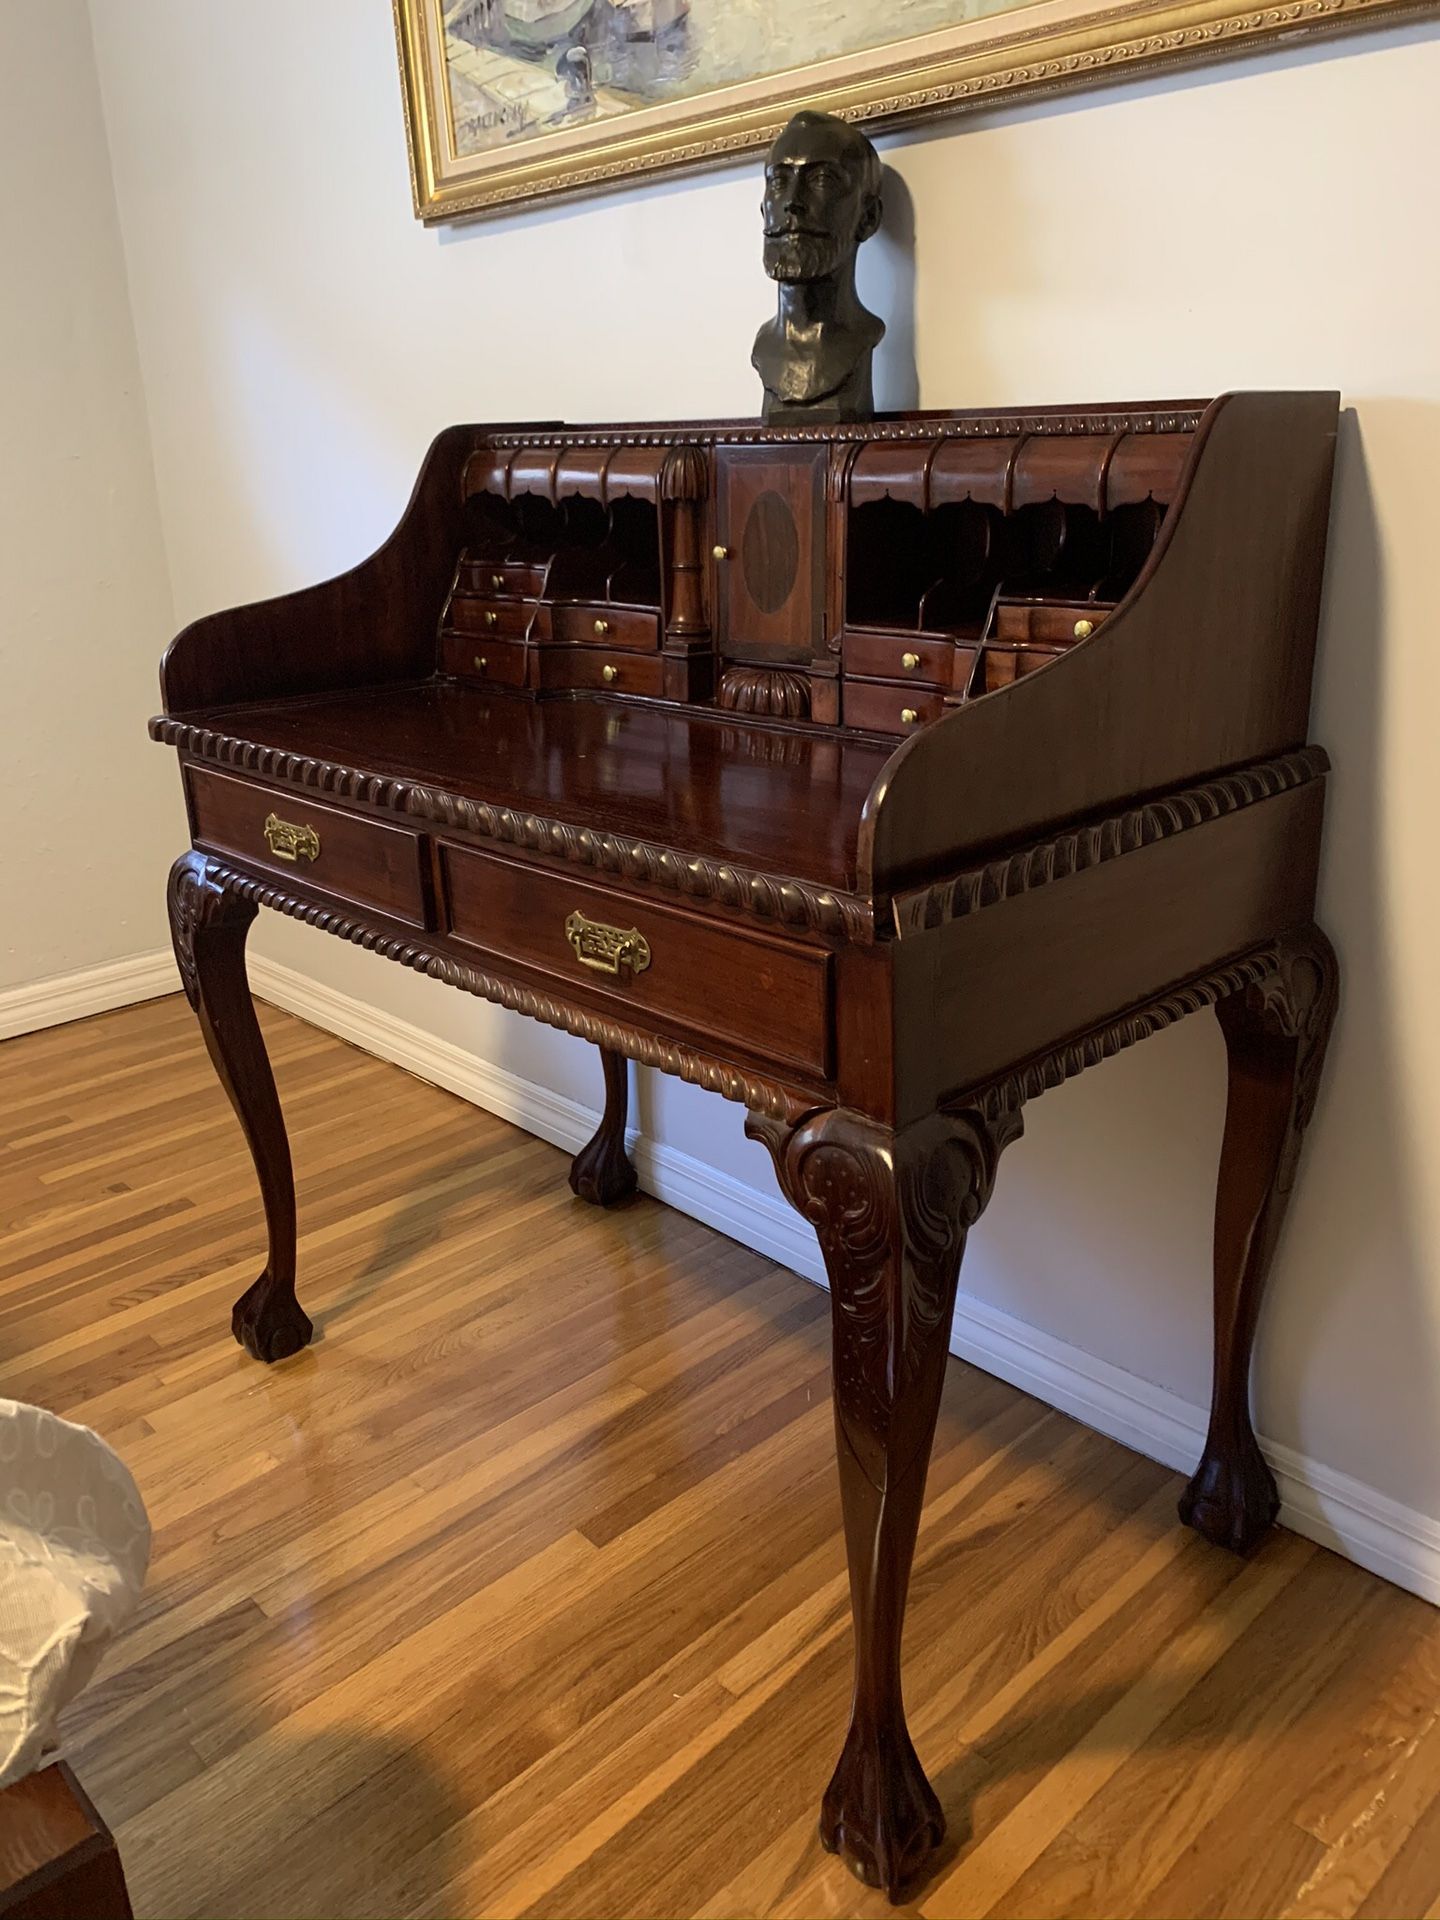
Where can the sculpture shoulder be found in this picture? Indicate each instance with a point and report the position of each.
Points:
(803, 372)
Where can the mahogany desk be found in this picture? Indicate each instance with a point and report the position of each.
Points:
(877, 778)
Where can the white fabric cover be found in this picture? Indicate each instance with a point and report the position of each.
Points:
(74, 1546)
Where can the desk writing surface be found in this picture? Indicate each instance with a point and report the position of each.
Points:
(722, 785)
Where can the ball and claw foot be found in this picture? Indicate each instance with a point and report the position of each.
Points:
(270, 1325)
(601, 1172)
(1232, 1499)
(880, 1814)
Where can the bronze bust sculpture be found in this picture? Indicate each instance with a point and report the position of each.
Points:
(822, 198)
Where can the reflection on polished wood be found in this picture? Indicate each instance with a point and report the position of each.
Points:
(523, 1589)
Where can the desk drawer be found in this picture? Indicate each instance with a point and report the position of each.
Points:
(888, 656)
(724, 984)
(499, 661)
(310, 846)
(882, 707)
(590, 667)
(495, 619)
(601, 626)
(1005, 665)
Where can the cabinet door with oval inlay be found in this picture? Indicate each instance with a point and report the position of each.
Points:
(770, 552)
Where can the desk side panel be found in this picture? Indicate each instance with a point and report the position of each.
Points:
(373, 625)
(1205, 666)
(1015, 980)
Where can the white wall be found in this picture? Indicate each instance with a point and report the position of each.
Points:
(83, 587)
(1274, 223)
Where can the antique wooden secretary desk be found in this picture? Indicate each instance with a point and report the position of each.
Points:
(876, 777)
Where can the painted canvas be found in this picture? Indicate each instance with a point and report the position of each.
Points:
(513, 100)
(518, 68)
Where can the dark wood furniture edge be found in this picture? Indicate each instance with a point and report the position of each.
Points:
(1095, 841)
(1171, 416)
(749, 1089)
(109, 1901)
(787, 902)
(771, 897)
(1008, 1091)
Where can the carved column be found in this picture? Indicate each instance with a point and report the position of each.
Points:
(891, 1212)
(1275, 1037)
(601, 1172)
(208, 925)
(682, 488)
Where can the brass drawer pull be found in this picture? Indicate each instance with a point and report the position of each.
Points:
(492, 619)
(908, 716)
(609, 674)
(721, 553)
(607, 949)
(291, 843)
(497, 581)
(481, 663)
(602, 626)
(909, 661)
(1084, 629)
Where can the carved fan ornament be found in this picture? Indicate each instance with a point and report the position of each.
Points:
(765, 690)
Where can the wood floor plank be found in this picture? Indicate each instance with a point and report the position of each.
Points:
(522, 1591)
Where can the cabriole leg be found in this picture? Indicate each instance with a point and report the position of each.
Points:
(601, 1172)
(209, 925)
(891, 1211)
(1275, 1038)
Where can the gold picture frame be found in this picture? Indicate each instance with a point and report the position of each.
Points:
(1020, 52)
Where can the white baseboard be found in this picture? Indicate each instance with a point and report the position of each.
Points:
(74, 996)
(1395, 1542)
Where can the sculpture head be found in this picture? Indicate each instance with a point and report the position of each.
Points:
(822, 197)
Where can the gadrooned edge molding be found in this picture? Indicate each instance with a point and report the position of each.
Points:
(1008, 1091)
(1100, 840)
(790, 903)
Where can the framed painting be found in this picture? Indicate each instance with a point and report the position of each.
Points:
(510, 101)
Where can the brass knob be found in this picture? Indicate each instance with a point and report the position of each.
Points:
(481, 662)
(721, 553)
(497, 580)
(602, 626)
(1084, 629)
(609, 674)
(908, 716)
(910, 661)
(492, 619)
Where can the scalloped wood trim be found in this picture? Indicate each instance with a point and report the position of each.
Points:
(750, 1090)
(1102, 840)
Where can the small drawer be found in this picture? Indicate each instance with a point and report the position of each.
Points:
(1005, 665)
(768, 996)
(312, 847)
(882, 706)
(509, 579)
(1057, 624)
(498, 618)
(470, 658)
(600, 626)
(907, 657)
(588, 668)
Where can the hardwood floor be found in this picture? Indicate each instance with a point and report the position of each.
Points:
(522, 1590)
